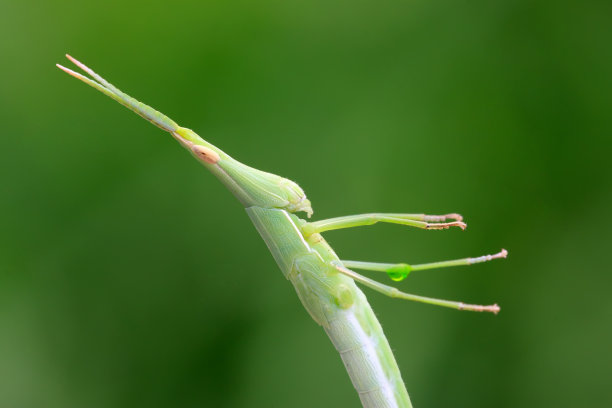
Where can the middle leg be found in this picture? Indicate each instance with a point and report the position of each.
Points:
(400, 271)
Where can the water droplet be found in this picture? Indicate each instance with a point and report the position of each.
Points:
(399, 272)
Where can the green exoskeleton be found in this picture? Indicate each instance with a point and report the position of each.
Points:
(324, 283)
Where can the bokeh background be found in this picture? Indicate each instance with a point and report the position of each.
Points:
(129, 277)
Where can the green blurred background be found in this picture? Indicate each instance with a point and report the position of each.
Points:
(130, 278)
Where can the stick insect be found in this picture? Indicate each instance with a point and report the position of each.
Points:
(325, 284)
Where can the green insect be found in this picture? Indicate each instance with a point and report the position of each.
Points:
(324, 283)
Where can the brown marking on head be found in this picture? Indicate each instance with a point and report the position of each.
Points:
(206, 154)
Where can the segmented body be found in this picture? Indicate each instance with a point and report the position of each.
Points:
(308, 262)
(337, 304)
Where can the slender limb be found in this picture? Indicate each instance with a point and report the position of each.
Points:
(350, 221)
(395, 293)
(400, 271)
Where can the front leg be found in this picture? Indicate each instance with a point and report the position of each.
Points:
(411, 220)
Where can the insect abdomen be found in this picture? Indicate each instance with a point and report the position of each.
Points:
(366, 354)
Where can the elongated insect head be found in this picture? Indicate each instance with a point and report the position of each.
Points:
(252, 187)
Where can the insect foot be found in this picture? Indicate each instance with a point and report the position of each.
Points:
(446, 225)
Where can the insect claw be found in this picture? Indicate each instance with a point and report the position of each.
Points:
(502, 254)
(494, 308)
(485, 258)
(454, 216)
(446, 225)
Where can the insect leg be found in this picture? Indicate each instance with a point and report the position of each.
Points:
(400, 271)
(350, 221)
(395, 293)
